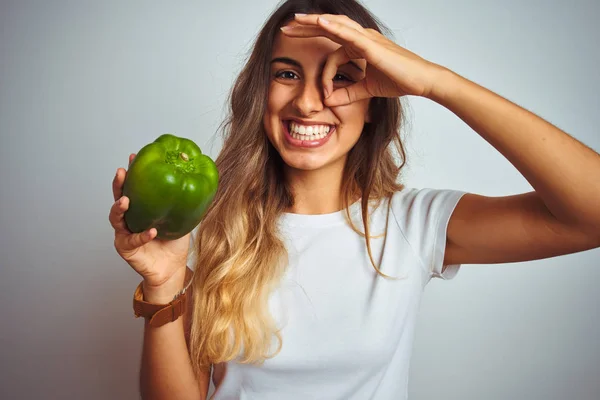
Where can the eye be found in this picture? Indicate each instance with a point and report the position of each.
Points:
(286, 75)
(342, 78)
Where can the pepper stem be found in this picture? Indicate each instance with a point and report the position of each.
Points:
(184, 156)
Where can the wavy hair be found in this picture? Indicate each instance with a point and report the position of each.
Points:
(240, 256)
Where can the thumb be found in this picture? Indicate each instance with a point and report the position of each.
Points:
(348, 94)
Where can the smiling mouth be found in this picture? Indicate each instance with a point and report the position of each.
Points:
(308, 132)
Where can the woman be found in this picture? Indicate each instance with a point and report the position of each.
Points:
(312, 258)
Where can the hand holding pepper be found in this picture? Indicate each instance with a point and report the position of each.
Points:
(161, 263)
(158, 202)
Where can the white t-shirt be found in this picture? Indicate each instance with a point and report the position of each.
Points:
(347, 331)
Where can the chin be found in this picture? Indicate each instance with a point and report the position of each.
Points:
(304, 162)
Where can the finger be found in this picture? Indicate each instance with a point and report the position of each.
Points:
(358, 43)
(304, 31)
(117, 183)
(347, 36)
(348, 94)
(135, 240)
(300, 31)
(311, 30)
(117, 214)
(335, 22)
(124, 239)
(119, 179)
(332, 65)
(340, 19)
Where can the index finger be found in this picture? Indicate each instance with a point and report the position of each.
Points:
(119, 179)
(334, 61)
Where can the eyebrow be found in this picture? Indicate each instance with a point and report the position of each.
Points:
(291, 61)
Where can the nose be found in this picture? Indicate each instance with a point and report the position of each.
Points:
(310, 98)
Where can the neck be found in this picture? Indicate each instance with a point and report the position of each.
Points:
(318, 191)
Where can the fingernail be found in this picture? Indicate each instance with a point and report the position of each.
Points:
(300, 15)
(326, 92)
(286, 28)
(323, 21)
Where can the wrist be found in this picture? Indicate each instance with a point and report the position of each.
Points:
(165, 292)
(443, 84)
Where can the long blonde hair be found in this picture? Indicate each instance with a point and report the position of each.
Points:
(240, 256)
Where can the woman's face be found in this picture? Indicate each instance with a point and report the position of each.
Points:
(307, 134)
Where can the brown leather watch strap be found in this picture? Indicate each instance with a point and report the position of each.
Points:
(158, 314)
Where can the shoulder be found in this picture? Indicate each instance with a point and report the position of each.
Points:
(423, 216)
(424, 203)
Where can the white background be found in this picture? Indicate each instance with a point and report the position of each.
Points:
(83, 84)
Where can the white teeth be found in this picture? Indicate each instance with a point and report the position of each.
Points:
(308, 132)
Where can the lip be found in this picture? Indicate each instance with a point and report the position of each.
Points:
(308, 123)
(305, 143)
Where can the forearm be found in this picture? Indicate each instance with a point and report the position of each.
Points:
(166, 370)
(563, 171)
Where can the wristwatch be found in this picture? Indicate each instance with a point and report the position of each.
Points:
(160, 314)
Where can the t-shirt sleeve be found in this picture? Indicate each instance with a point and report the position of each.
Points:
(423, 216)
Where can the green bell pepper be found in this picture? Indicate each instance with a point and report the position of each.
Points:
(170, 184)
